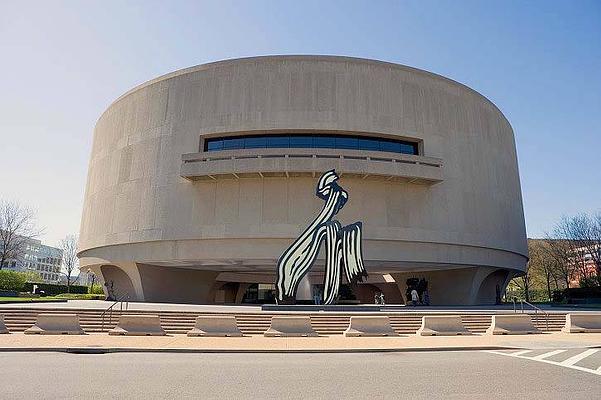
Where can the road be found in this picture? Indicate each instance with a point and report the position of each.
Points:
(416, 375)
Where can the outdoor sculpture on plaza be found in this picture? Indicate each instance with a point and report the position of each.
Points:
(342, 244)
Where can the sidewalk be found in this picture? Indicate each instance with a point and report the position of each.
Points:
(336, 343)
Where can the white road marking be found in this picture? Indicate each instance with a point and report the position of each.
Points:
(569, 363)
(519, 353)
(549, 354)
(578, 357)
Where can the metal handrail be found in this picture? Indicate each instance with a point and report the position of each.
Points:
(536, 310)
(122, 299)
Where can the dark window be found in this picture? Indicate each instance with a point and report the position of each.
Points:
(343, 142)
(369, 144)
(327, 142)
(281, 142)
(214, 145)
(301, 141)
(311, 141)
(393, 147)
(409, 148)
(233, 143)
(259, 142)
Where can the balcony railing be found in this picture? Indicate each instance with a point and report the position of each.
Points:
(297, 162)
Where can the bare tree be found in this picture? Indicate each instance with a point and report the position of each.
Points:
(17, 228)
(70, 260)
(563, 266)
(581, 237)
(536, 263)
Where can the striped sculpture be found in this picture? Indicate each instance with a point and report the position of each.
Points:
(342, 243)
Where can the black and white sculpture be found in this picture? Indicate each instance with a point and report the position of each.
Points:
(342, 244)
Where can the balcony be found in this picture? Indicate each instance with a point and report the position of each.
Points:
(253, 163)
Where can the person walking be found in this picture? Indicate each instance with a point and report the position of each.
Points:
(414, 297)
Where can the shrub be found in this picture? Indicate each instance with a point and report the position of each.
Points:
(583, 293)
(558, 296)
(96, 289)
(33, 277)
(52, 289)
(12, 280)
(589, 282)
(75, 296)
(535, 295)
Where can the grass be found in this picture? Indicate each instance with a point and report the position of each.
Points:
(60, 297)
(28, 299)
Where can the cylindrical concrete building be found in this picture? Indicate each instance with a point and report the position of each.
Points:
(200, 179)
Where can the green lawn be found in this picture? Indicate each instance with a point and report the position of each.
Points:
(28, 299)
(63, 297)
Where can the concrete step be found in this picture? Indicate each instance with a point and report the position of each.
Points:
(256, 323)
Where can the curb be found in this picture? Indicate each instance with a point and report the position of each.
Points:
(106, 350)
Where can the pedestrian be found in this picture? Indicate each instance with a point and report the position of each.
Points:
(414, 297)
(426, 298)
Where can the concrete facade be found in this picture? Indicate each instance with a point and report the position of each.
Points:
(164, 220)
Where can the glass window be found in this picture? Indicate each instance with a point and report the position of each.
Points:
(233, 143)
(328, 142)
(343, 142)
(311, 141)
(278, 141)
(408, 148)
(369, 144)
(391, 146)
(259, 142)
(301, 141)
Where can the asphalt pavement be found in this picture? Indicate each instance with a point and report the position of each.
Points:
(407, 375)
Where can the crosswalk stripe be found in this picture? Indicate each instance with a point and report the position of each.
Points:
(569, 363)
(573, 360)
(549, 354)
(519, 353)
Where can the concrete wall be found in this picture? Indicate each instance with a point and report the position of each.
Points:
(138, 208)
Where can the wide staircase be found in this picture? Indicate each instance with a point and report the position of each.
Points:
(330, 323)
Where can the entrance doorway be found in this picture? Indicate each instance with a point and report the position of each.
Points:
(259, 293)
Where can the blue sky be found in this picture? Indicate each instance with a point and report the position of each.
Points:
(62, 64)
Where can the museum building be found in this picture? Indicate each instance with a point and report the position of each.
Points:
(200, 179)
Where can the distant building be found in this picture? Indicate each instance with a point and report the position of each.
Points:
(39, 258)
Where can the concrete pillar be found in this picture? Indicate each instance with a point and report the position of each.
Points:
(241, 290)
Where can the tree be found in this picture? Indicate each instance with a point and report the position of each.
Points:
(70, 260)
(581, 238)
(17, 228)
(560, 252)
(543, 267)
(522, 283)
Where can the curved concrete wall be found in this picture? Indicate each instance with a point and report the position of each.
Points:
(138, 208)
